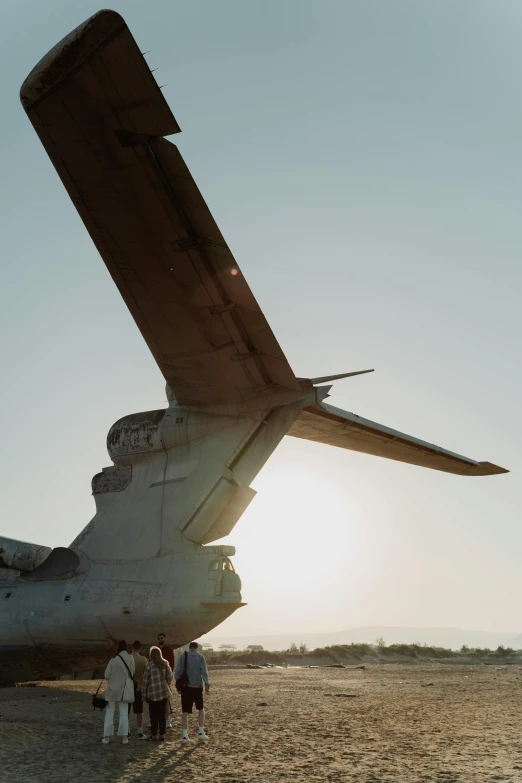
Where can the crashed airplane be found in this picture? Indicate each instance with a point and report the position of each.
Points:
(180, 477)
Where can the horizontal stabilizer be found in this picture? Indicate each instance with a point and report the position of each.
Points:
(325, 424)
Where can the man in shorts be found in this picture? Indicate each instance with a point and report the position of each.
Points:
(168, 654)
(192, 693)
(141, 663)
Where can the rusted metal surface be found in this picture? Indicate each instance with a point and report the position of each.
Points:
(137, 433)
(21, 555)
(114, 479)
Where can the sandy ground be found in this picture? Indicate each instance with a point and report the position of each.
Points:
(447, 724)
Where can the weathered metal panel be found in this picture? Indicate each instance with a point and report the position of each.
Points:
(21, 555)
(114, 479)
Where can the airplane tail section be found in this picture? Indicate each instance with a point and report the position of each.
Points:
(181, 476)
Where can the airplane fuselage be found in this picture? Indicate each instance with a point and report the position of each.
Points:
(56, 626)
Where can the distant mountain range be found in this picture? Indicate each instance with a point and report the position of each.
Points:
(450, 638)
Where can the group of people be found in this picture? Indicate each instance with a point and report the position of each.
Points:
(132, 679)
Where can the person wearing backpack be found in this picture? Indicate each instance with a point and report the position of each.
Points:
(191, 673)
(120, 690)
(156, 691)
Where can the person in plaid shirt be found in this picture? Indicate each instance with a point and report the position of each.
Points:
(156, 681)
(168, 654)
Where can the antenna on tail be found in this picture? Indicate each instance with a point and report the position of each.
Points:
(327, 378)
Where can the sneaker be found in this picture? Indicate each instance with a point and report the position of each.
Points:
(202, 736)
(185, 740)
(161, 739)
(105, 741)
(125, 740)
(141, 735)
(152, 739)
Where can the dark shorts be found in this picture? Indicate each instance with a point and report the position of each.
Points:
(191, 696)
(137, 704)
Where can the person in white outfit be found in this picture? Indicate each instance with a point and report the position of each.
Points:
(120, 690)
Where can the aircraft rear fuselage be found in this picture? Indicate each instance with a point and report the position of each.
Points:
(53, 627)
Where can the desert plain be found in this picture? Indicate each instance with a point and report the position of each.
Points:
(384, 723)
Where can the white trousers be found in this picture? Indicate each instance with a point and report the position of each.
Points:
(123, 726)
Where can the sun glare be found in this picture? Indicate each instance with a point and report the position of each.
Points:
(298, 542)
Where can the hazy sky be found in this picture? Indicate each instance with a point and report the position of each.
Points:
(363, 159)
